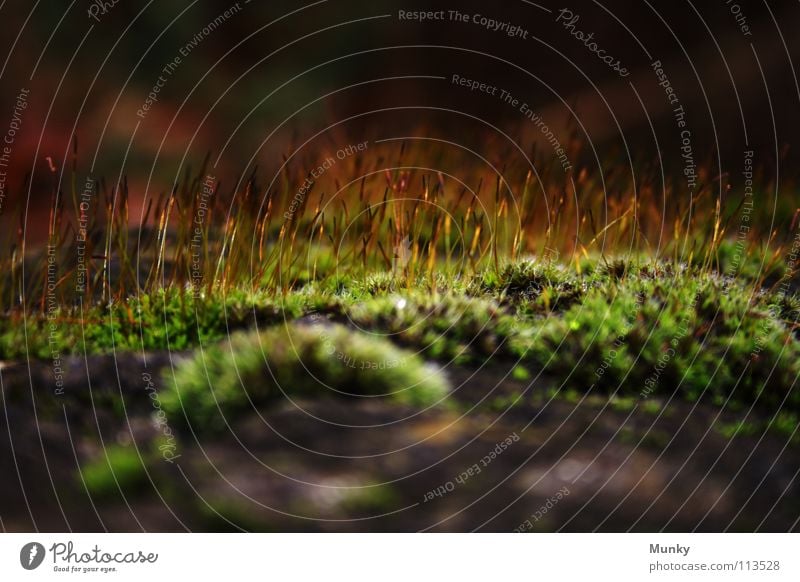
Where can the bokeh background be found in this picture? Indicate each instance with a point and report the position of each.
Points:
(255, 88)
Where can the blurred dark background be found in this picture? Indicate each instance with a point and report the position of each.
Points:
(263, 80)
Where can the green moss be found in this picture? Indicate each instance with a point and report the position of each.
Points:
(520, 373)
(119, 468)
(786, 424)
(738, 428)
(623, 404)
(171, 318)
(641, 328)
(444, 327)
(749, 264)
(296, 360)
(627, 436)
(651, 406)
(370, 500)
(504, 402)
(649, 336)
(537, 287)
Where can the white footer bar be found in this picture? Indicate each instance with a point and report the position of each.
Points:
(388, 557)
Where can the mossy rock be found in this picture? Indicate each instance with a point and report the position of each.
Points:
(256, 368)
